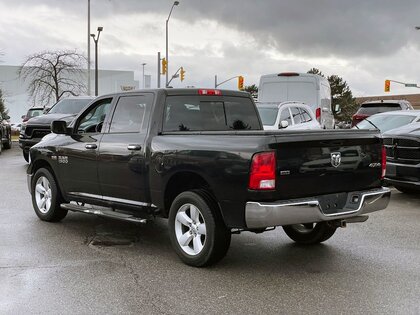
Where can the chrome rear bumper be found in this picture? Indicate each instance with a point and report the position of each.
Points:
(308, 210)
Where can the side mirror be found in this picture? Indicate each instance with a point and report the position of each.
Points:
(283, 124)
(23, 116)
(337, 109)
(7, 117)
(59, 127)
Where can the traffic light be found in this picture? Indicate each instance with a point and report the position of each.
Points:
(182, 74)
(164, 66)
(387, 85)
(240, 83)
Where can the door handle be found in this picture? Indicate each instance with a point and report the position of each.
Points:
(134, 147)
(91, 146)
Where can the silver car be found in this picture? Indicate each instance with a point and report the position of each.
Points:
(287, 115)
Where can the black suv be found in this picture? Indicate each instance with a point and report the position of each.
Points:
(5, 133)
(37, 127)
(403, 158)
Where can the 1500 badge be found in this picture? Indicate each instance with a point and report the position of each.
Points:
(60, 159)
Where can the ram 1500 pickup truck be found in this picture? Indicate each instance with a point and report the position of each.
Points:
(201, 158)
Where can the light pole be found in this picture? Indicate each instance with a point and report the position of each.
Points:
(143, 64)
(96, 39)
(88, 49)
(167, 59)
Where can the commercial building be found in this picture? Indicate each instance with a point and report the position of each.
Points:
(17, 99)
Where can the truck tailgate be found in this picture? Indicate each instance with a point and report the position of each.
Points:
(330, 162)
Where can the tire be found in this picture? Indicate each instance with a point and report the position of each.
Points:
(8, 144)
(409, 191)
(46, 197)
(26, 156)
(196, 229)
(309, 233)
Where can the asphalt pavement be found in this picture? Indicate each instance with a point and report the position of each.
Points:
(91, 265)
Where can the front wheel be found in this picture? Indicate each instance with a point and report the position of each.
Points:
(46, 197)
(309, 233)
(197, 231)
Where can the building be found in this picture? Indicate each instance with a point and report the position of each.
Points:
(17, 100)
(414, 99)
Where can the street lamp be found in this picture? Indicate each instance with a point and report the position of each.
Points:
(143, 64)
(96, 39)
(167, 59)
(88, 49)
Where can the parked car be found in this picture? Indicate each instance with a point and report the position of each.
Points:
(290, 115)
(5, 133)
(33, 112)
(390, 120)
(310, 89)
(370, 108)
(201, 158)
(403, 158)
(35, 128)
(15, 127)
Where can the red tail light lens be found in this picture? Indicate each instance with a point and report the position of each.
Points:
(209, 92)
(383, 162)
(263, 171)
(318, 114)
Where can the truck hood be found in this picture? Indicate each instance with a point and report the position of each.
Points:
(48, 118)
(412, 130)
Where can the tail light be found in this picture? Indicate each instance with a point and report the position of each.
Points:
(383, 163)
(209, 92)
(318, 114)
(263, 171)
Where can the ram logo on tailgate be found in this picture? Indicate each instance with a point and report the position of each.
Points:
(335, 159)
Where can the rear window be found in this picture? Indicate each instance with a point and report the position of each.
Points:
(193, 113)
(374, 108)
(268, 115)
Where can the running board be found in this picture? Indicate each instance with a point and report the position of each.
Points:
(108, 213)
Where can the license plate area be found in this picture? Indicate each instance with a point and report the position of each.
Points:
(332, 203)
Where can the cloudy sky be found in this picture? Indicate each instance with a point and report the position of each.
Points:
(365, 42)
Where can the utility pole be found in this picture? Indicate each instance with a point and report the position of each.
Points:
(143, 64)
(167, 59)
(158, 70)
(88, 50)
(96, 40)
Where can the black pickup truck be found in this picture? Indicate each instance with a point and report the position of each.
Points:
(201, 159)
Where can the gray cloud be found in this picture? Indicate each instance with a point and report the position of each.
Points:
(306, 27)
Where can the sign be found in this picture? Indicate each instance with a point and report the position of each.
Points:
(410, 85)
(127, 87)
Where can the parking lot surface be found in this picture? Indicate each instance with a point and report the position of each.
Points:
(87, 264)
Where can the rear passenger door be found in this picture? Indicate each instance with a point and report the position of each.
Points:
(122, 171)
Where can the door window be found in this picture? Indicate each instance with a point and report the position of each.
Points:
(92, 120)
(131, 114)
(305, 115)
(296, 115)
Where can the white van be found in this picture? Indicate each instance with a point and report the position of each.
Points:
(310, 89)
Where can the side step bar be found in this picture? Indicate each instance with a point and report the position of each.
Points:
(104, 212)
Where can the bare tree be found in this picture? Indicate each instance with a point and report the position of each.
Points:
(54, 74)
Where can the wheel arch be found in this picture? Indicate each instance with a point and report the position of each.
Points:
(185, 181)
(41, 163)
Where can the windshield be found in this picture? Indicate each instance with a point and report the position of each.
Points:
(268, 115)
(69, 106)
(386, 122)
(34, 112)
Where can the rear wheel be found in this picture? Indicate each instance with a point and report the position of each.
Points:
(197, 231)
(309, 233)
(46, 197)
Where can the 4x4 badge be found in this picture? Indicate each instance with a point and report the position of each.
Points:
(335, 159)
